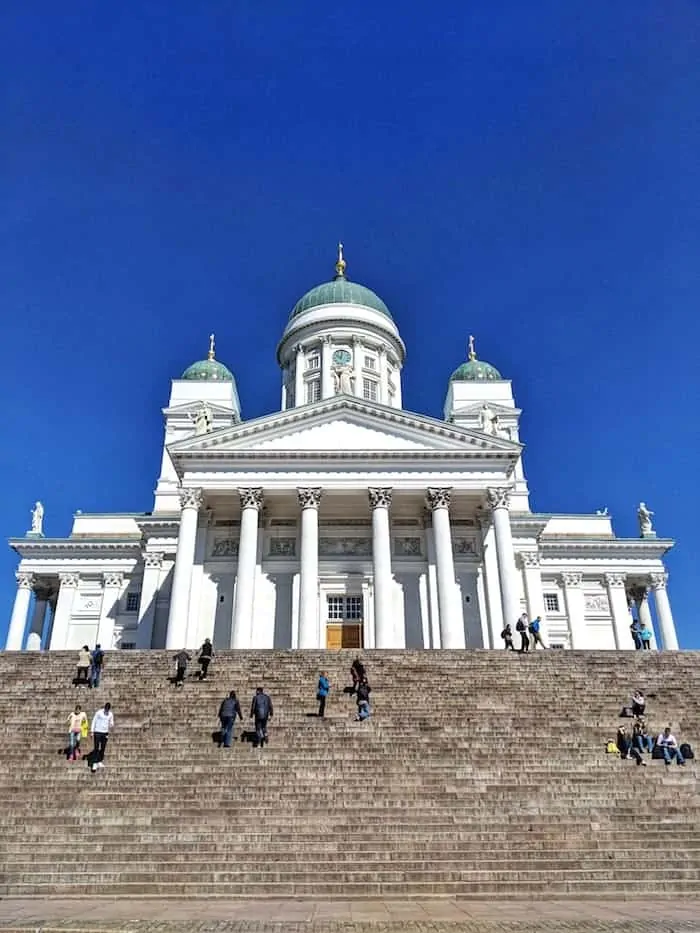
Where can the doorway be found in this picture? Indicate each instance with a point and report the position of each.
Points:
(344, 621)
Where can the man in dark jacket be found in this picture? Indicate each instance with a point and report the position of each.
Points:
(205, 656)
(181, 660)
(363, 707)
(261, 710)
(358, 673)
(229, 710)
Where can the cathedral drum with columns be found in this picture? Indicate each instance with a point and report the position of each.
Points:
(341, 520)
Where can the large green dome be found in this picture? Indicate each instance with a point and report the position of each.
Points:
(474, 370)
(209, 370)
(340, 291)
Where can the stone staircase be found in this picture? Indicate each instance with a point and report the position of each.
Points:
(480, 773)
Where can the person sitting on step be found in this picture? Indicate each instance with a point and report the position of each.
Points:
(624, 744)
(638, 703)
(641, 739)
(667, 743)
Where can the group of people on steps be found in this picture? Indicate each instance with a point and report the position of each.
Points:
(530, 634)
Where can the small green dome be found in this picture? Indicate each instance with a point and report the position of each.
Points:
(340, 291)
(209, 370)
(474, 370)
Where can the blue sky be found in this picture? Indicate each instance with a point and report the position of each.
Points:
(527, 172)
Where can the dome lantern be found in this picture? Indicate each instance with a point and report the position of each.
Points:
(475, 370)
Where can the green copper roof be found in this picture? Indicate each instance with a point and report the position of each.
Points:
(340, 291)
(475, 371)
(209, 371)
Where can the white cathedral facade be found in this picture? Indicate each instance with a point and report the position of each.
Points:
(342, 520)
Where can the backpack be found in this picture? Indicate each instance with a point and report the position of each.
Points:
(505, 634)
(612, 749)
(686, 751)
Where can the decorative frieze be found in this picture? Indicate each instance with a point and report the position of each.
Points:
(498, 497)
(439, 498)
(190, 498)
(283, 547)
(251, 498)
(463, 547)
(225, 547)
(344, 547)
(407, 547)
(596, 603)
(379, 497)
(310, 497)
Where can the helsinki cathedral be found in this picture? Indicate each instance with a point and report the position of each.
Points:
(341, 520)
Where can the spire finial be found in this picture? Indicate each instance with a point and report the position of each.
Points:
(471, 353)
(340, 265)
(210, 355)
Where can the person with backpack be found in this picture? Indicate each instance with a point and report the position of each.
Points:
(97, 661)
(206, 652)
(182, 659)
(261, 711)
(669, 747)
(521, 627)
(363, 708)
(534, 629)
(229, 710)
(322, 691)
(507, 636)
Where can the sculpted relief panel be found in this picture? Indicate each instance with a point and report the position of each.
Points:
(345, 547)
(596, 603)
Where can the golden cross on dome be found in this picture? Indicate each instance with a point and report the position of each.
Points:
(340, 265)
(471, 352)
(210, 355)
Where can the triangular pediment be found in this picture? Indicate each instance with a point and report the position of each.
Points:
(343, 425)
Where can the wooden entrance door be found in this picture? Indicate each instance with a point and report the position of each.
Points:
(343, 635)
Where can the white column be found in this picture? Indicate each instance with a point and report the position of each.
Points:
(36, 629)
(251, 504)
(451, 622)
(498, 500)
(380, 503)
(575, 608)
(112, 585)
(534, 597)
(190, 501)
(619, 610)
(397, 379)
(383, 378)
(69, 583)
(309, 501)
(357, 354)
(492, 585)
(299, 376)
(667, 629)
(284, 390)
(327, 390)
(152, 566)
(20, 610)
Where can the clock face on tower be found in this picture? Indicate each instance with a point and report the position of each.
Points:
(342, 357)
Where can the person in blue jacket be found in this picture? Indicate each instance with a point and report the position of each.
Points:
(324, 688)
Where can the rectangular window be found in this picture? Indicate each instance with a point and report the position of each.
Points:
(369, 389)
(345, 608)
(558, 646)
(370, 362)
(127, 645)
(551, 602)
(313, 391)
(132, 602)
(313, 362)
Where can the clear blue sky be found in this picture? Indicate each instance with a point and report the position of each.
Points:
(527, 172)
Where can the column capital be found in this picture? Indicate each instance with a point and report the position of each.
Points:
(309, 497)
(438, 497)
(658, 580)
(113, 579)
(379, 497)
(69, 579)
(327, 340)
(25, 581)
(251, 498)
(153, 559)
(356, 341)
(498, 497)
(570, 579)
(615, 580)
(528, 559)
(190, 498)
